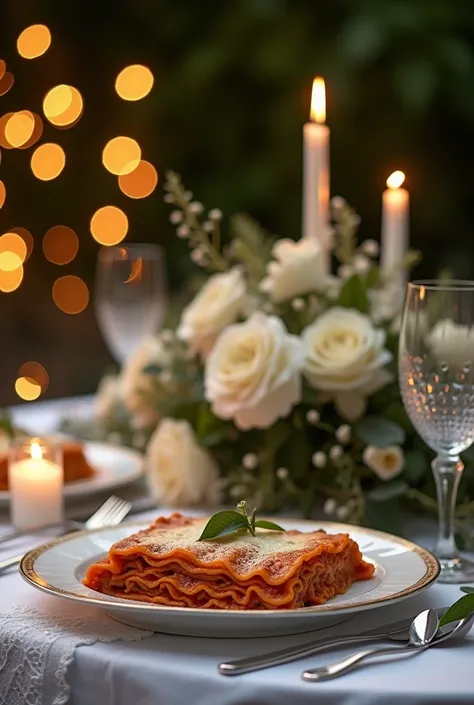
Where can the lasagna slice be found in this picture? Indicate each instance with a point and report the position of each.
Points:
(165, 564)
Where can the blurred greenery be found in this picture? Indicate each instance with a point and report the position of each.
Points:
(232, 88)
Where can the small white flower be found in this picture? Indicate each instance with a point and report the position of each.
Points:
(176, 217)
(182, 231)
(343, 512)
(319, 459)
(371, 248)
(196, 208)
(137, 384)
(250, 461)
(361, 264)
(165, 376)
(188, 195)
(338, 202)
(343, 434)
(313, 417)
(335, 452)
(355, 220)
(298, 304)
(282, 473)
(198, 256)
(345, 271)
(215, 214)
(208, 226)
(330, 506)
(237, 491)
(386, 462)
(168, 198)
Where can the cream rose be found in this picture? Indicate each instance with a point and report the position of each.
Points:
(108, 397)
(136, 384)
(253, 372)
(345, 357)
(386, 463)
(452, 343)
(298, 268)
(217, 305)
(179, 471)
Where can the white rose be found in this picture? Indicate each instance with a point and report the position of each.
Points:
(253, 372)
(298, 268)
(180, 472)
(345, 356)
(452, 343)
(108, 397)
(135, 383)
(217, 305)
(386, 462)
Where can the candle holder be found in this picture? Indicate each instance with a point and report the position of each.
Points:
(35, 478)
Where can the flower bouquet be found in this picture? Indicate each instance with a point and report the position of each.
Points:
(278, 384)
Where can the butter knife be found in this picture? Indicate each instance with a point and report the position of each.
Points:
(395, 631)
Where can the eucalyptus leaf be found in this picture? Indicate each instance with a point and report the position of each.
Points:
(461, 609)
(222, 520)
(416, 466)
(388, 490)
(353, 294)
(264, 524)
(379, 432)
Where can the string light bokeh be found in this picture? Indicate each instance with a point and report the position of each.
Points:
(62, 107)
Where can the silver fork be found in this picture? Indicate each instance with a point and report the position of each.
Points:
(110, 513)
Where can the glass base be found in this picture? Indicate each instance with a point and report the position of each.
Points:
(456, 570)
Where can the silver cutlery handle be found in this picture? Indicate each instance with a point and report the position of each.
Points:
(292, 653)
(339, 668)
(9, 562)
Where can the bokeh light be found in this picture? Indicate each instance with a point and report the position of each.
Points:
(121, 155)
(3, 68)
(34, 41)
(9, 261)
(63, 106)
(60, 244)
(13, 251)
(36, 134)
(19, 128)
(11, 280)
(134, 82)
(3, 193)
(26, 236)
(47, 161)
(35, 373)
(140, 182)
(3, 123)
(6, 82)
(27, 389)
(109, 225)
(70, 294)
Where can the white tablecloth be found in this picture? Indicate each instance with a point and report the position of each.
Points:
(172, 670)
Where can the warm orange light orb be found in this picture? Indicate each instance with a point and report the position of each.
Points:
(11, 280)
(26, 236)
(12, 244)
(109, 225)
(3, 193)
(47, 161)
(27, 389)
(60, 244)
(134, 82)
(35, 373)
(19, 128)
(63, 105)
(121, 155)
(140, 182)
(396, 179)
(6, 82)
(34, 41)
(70, 294)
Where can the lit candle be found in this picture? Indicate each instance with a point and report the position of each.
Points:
(35, 479)
(316, 167)
(395, 212)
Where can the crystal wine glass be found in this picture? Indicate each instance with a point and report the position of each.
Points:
(130, 295)
(436, 370)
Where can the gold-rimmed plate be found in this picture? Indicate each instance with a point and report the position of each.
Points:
(403, 569)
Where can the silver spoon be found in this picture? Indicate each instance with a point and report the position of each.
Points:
(422, 632)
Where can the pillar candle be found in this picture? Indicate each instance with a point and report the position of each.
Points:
(395, 214)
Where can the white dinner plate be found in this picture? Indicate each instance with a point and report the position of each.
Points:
(402, 570)
(115, 466)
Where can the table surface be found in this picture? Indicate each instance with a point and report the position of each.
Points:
(173, 670)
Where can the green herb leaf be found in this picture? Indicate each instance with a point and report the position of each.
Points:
(264, 524)
(466, 588)
(461, 609)
(221, 521)
(231, 528)
(379, 432)
(354, 295)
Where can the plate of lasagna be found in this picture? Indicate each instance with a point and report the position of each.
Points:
(164, 578)
(89, 468)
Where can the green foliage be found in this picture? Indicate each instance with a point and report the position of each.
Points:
(354, 294)
(379, 432)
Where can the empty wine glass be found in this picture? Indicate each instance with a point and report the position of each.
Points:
(436, 369)
(130, 295)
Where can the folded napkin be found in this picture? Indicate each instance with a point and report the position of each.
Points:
(37, 647)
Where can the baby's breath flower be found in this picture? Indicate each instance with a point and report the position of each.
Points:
(338, 202)
(313, 417)
(250, 461)
(355, 220)
(370, 248)
(182, 231)
(298, 304)
(319, 459)
(343, 434)
(237, 491)
(198, 256)
(345, 271)
(215, 214)
(329, 506)
(361, 264)
(343, 512)
(168, 198)
(208, 226)
(282, 473)
(176, 217)
(196, 208)
(188, 195)
(335, 452)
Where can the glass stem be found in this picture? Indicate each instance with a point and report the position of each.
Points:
(447, 471)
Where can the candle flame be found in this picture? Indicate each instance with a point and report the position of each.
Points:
(396, 179)
(318, 101)
(36, 452)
